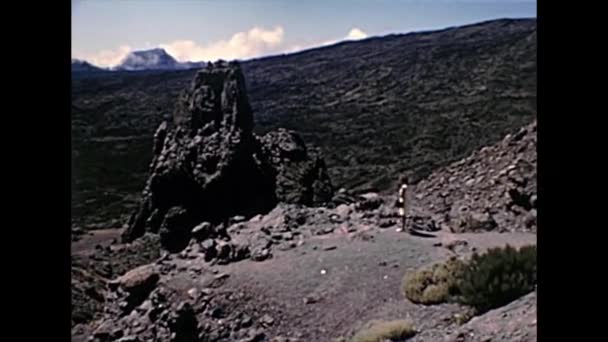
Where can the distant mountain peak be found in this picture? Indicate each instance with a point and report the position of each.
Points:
(150, 52)
(154, 59)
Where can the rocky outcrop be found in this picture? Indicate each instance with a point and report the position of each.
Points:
(209, 166)
(300, 173)
(494, 189)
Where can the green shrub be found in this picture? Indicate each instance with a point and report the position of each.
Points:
(434, 284)
(380, 331)
(497, 277)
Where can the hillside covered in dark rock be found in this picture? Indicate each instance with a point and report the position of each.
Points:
(208, 165)
(375, 107)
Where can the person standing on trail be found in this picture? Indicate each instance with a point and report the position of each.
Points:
(402, 202)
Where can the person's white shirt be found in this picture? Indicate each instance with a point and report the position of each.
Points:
(402, 201)
(402, 198)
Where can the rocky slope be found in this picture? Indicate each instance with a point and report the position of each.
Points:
(492, 189)
(375, 107)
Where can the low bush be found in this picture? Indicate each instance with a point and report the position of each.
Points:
(497, 277)
(380, 331)
(434, 284)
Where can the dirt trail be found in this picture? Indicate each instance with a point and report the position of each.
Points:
(87, 243)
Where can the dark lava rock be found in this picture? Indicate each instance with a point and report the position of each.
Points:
(267, 320)
(203, 231)
(300, 172)
(422, 223)
(208, 166)
(475, 222)
(208, 247)
(261, 254)
(137, 284)
(367, 204)
(183, 324)
(387, 223)
(175, 231)
(230, 252)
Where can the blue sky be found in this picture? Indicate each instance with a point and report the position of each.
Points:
(104, 31)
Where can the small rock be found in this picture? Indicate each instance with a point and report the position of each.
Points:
(104, 330)
(209, 248)
(260, 255)
(130, 338)
(266, 320)
(246, 321)
(335, 218)
(329, 248)
(387, 223)
(221, 276)
(193, 293)
(310, 300)
(202, 231)
(343, 210)
(288, 246)
(238, 218)
(183, 323)
(256, 335)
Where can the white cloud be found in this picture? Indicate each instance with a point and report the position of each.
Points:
(105, 58)
(356, 33)
(353, 34)
(253, 43)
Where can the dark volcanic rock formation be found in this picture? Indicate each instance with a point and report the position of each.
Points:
(301, 175)
(209, 166)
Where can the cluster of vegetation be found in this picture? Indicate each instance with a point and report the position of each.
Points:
(434, 284)
(498, 277)
(380, 331)
(485, 282)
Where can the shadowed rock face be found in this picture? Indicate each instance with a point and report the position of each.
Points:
(209, 166)
(216, 99)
